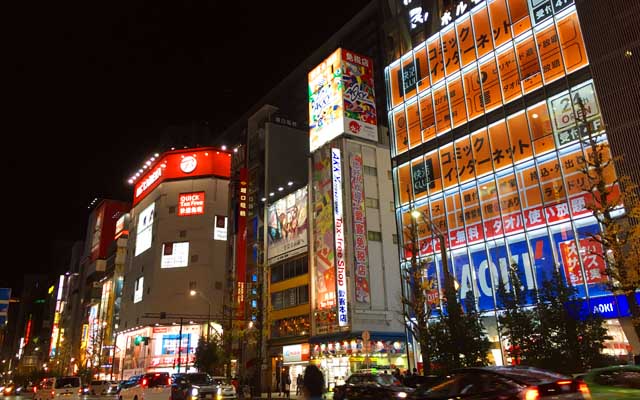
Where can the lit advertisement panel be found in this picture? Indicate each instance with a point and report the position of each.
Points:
(190, 204)
(338, 226)
(167, 343)
(512, 192)
(175, 255)
(360, 246)
(324, 275)
(287, 226)
(183, 164)
(342, 99)
(138, 290)
(220, 228)
(144, 229)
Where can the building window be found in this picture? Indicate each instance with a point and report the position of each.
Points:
(395, 238)
(370, 202)
(296, 326)
(374, 236)
(183, 234)
(291, 297)
(138, 290)
(172, 209)
(289, 269)
(371, 171)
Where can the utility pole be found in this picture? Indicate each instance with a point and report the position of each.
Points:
(180, 345)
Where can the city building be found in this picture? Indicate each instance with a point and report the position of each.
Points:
(174, 285)
(486, 117)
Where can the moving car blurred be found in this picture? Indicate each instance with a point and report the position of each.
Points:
(613, 383)
(191, 386)
(151, 386)
(9, 390)
(68, 387)
(368, 385)
(224, 388)
(506, 383)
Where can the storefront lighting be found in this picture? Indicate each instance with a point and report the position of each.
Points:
(223, 147)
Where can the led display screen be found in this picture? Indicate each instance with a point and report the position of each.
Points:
(144, 229)
(287, 226)
(175, 255)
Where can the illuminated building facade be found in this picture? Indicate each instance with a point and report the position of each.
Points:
(486, 144)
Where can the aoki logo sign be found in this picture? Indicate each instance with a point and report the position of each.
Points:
(341, 270)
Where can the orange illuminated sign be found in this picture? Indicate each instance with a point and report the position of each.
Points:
(190, 204)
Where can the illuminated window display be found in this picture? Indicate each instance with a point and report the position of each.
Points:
(491, 153)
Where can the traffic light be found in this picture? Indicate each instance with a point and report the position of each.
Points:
(138, 340)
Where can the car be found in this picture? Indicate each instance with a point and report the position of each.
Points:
(98, 387)
(9, 390)
(225, 389)
(370, 385)
(422, 381)
(150, 386)
(69, 387)
(615, 382)
(191, 386)
(508, 382)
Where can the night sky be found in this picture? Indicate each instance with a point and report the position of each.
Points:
(94, 86)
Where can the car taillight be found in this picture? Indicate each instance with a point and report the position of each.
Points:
(80, 391)
(531, 394)
(169, 381)
(144, 382)
(35, 389)
(53, 393)
(584, 389)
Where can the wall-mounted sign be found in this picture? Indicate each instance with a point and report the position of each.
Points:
(342, 99)
(138, 290)
(360, 245)
(338, 224)
(287, 226)
(190, 204)
(175, 255)
(144, 229)
(181, 164)
(241, 241)
(220, 227)
(295, 353)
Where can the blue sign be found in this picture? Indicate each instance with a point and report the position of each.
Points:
(607, 307)
(5, 294)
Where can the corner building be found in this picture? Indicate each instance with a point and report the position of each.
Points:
(177, 244)
(485, 143)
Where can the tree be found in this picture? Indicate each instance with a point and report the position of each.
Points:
(452, 338)
(620, 235)
(211, 356)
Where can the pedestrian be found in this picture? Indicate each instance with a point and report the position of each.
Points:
(299, 383)
(278, 384)
(287, 386)
(398, 375)
(312, 383)
(415, 371)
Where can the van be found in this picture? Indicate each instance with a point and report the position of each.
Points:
(64, 387)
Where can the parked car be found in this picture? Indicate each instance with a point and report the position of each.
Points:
(422, 381)
(150, 386)
(69, 387)
(192, 386)
(224, 388)
(508, 383)
(99, 387)
(616, 382)
(366, 385)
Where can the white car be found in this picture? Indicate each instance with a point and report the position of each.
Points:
(225, 389)
(102, 387)
(67, 387)
(151, 386)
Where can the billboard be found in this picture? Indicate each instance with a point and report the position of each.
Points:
(342, 99)
(144, 229)
(360, 245)
(190, 204)
(183, 164)
(287, 226)
(338, 226)
(175, 255)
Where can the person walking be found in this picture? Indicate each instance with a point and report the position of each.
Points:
(287, 386)
(299, 383)
(312, 383)
(278, 386)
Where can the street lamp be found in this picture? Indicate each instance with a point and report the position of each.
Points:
(194, 292)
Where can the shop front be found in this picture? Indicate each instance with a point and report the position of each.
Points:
(340, 358)
(295, 359)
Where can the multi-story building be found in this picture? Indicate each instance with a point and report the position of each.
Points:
(486, 117)
(175, 261)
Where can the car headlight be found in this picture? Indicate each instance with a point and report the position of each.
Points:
(401, 395)
(219, 390)
(194, 392)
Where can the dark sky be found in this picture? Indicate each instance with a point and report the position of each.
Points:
(91, 87)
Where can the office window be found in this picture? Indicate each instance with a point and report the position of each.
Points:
(371, 171)
(374, 236)
(371, 203)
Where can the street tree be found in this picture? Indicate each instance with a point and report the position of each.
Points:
(211, 356)
(615, 204)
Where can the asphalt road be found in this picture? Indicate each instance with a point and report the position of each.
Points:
(30, 397)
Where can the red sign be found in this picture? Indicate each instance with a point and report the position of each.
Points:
(591, 254)
(183, 164)
(190, 204)
(241, 242)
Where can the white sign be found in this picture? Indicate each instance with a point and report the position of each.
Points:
(175, 255)
(188, 164)
(144, 230)
(151, 179)
(138, 290)
(292, 353)
(220, 228)
(338, 215)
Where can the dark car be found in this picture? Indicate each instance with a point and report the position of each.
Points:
(192, 386)
(371, 386)
(505, 383)
(422, 381)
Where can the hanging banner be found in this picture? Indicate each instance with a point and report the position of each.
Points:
(241, 243)
(338, 222)
(360, 246)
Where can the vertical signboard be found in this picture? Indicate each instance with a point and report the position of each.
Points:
(342, 99)
(5, 296)
(338, 223)
(241, 243)
(359, 231)
(323, 246)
